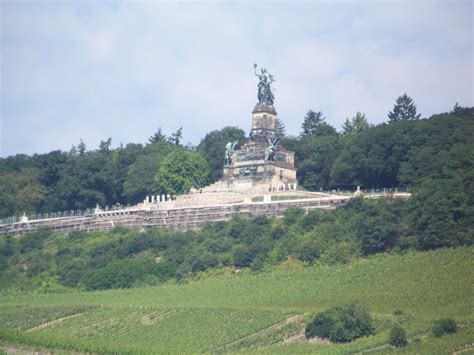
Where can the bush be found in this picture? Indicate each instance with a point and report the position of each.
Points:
(341, 324)
(398, 337)
(443, 326)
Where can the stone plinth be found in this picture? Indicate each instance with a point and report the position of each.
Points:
(261, 163)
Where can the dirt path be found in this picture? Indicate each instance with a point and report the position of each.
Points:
(465, 349)
(278, 325)
(47, 324)
(18, 349)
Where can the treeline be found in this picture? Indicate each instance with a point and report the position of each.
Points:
(43, 261)
(434, 153)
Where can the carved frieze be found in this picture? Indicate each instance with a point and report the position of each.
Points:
(248, 171)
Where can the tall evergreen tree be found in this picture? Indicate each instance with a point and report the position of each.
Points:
(404, 109)
(358, 123)
(176, 137)
(157, 137)
(104, 146)
(314, 125)
(280, 128)
(311, 122)
(81, 148)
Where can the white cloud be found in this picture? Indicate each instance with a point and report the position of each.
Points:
(121, 70)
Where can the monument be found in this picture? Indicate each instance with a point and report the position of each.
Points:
(261, 164)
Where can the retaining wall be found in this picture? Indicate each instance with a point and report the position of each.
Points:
(179, 218)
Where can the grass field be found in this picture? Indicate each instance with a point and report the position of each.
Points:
(262, 312)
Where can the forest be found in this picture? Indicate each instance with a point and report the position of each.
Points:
(434, 157)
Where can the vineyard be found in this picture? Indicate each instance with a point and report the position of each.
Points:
(263, 312)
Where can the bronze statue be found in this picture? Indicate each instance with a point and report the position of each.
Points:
(229, 149)
(270, 151)
(265, 91)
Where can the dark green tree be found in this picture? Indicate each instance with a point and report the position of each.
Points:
(140, 176)
(356, 124)
(462, 111)
(176, 137)
(404, 109)
(280, 128)
(158, 136)
(314, 125)
(81, 148)
(398, 337)
(104, 146)
(212, 148)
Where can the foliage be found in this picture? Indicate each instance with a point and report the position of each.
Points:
(21, 192)
(314, 125)
(158, 136)
(341, 324)
(404, 109)
(176, 137)
(180, 171)
(415, 153)
(444, 326)
(212, 148)
(356, 124)
(280, 128)
(140, 176)
(250, 310)
(398, 337)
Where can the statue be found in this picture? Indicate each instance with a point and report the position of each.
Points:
(270, 151)
(265, 91)
(229, 149)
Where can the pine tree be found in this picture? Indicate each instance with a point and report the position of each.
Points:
(358, 123)
(176, 137)
(404, 109)
(314, 125)
(157, 137)
(280, 128)
(104, 146)
(311, 123)
(81, 148)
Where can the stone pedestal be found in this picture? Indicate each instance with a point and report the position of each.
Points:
(252, 166)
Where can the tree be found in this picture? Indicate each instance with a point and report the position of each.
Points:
(81, 148)
(462, 111)
(212, 148)
(443, 326)
(314, 125)
(356, 124)
(398, 337)
(341, 324)
(158, 136)
(180, 171)
(20, 192)
(404, 109)
(104, 146)
(176, 137)
(280, 128)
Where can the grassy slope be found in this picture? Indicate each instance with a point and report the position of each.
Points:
(215, 313)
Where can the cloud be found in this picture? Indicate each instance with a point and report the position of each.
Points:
(120, 70)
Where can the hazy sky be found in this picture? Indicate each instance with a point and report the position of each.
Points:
(93, 70)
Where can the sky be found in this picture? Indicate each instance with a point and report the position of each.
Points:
(93, 70)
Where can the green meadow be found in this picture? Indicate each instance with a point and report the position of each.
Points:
(256, 312)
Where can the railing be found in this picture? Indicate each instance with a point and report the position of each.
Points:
(90, 211)
(59, 214)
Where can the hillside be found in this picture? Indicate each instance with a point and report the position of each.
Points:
(255, 312)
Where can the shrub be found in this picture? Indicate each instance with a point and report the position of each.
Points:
(341, 324)
(398, 336)
(443, 326)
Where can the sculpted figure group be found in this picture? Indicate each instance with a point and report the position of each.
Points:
(265, 91)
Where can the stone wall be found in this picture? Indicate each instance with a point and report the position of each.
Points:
(177, 218)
